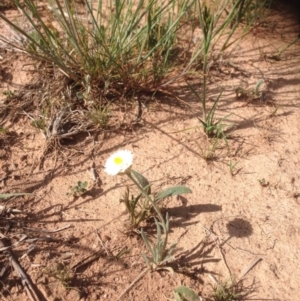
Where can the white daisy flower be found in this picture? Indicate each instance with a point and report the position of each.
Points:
(118, 162)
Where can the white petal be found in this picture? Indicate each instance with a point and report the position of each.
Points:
(111, 168)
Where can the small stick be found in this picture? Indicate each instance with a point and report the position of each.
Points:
(46, 238)
(219, 246)
(87, 260)
(223, 257)
(5, 248)
(140, 276)
(249, 267)
(9, 210)
(108, 253)
(3, 178)
(47, 231)
(24, 279)
(213, 279)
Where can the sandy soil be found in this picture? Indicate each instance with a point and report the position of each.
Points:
(228, 223)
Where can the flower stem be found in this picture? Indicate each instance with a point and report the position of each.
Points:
(146, 195)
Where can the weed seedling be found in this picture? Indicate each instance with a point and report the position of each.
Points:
(227, 291)
(61, 273)
(274, 111)
(232, 168)
(251, 94)
(140, 207)
(100, 115)
(208, 151)
(8, 93)
(183, 293)
(263, 182)
(78, 189)
(3, 130)
(213, 128)
(39, 124)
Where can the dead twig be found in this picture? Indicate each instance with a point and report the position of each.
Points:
(249, 267)
(108, 253)
(140, 276)
(223, 257)
(219, 246)
(87, 260)
(5, 248)
(47, 231)
(24, 279)
(4, 210)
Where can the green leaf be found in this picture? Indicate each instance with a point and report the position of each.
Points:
(171, 191)
(183, 293)
(258, 85)
(142, 180)
(169, 269)
(203, 123)
(8, 195)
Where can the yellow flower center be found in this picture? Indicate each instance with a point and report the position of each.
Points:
(118, 160)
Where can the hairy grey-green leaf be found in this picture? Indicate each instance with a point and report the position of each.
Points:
(171, 191)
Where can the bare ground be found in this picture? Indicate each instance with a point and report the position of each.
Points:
(245, 223)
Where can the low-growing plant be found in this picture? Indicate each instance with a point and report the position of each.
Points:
(3, 130)
(120, 163)
(213, 128)
(184, 293)
(62, 273)
(232, 168)
(139, 207)
(209, 148)
(8, 93)
(40, 124)
(78, 189)
(255, 93)
(274, 111)
(159, 254)
(99, 114)
(263, 182)
(227, 291)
